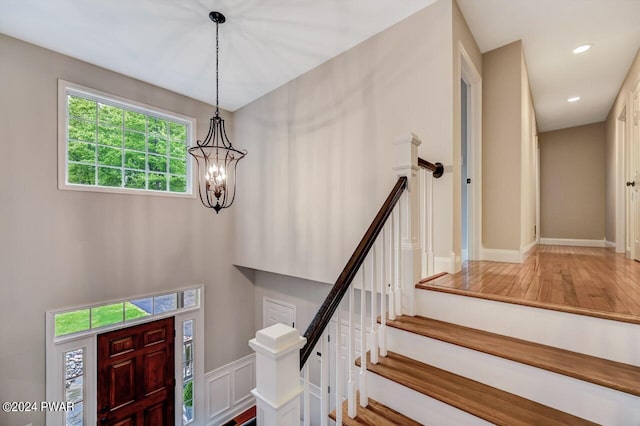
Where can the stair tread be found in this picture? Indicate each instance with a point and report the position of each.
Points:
(374, 413)
(603, 372)
(488, 403)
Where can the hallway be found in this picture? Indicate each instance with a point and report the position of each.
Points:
(582, 280)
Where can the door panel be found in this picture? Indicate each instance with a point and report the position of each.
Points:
(122, 379)
(136, 375)
(275, 311)
(155, 372)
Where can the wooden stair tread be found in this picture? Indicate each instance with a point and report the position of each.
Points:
(603, 372)
(488, 403)
(374, 414)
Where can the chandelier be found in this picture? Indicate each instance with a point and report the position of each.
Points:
(216, 158)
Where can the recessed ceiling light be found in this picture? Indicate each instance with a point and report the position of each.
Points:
(581, 49)
(574, 99)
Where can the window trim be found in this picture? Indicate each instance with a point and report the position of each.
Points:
(67, 87)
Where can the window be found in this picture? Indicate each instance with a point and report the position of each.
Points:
(111, 144)
(187, 372)
(73, 386)
(84, 319)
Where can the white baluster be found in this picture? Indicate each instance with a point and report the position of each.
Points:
(339, 372)
(374, 305)
(398, 259)
(424, 231)
(325, 359)
(351, 356)
(364, 399)
(429, 213)
(382, 331)
(392, 266)
(306, 405)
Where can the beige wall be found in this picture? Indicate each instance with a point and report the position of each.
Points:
(572, 182)
(614, 164)
(321, 148)
(501, 147)
(61, 249)
(462, 37)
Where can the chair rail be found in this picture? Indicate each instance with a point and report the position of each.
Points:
(331, 303)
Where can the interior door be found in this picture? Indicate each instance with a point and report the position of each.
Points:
(136, 375)
(635, 172)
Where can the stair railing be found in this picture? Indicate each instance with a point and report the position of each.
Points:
(379, 279)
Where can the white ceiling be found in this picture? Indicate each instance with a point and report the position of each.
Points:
(550, 30)
(265, 43)
(171, 43)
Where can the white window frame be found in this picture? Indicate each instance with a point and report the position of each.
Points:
(68, 88)
(56, 347)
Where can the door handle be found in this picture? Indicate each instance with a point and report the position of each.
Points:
(632, 183)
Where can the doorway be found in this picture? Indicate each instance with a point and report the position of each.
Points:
(136, 383)
(471, 157)
(633, 180)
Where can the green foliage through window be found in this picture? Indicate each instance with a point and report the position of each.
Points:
(110, 146)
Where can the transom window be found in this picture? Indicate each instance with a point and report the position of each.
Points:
(116, 145)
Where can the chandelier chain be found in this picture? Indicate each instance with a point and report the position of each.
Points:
(217, 72)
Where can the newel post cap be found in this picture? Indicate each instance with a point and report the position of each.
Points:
(277, 340)
(408, 138)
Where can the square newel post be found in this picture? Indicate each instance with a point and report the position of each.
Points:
(278, 386)
(406, 164)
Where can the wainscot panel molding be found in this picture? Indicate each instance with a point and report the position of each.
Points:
(228, 390)
(573, 242)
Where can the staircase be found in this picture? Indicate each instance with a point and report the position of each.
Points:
(383, 350)
(440, 371)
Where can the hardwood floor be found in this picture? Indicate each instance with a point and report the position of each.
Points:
(583, 280)
(488, 403)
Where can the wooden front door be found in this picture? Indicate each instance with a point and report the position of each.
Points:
(136, 371)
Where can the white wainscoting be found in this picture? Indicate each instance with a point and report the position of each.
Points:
(573, 242)
(228, 390)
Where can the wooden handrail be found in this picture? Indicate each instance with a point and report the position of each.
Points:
(437, 169)
(331, 303)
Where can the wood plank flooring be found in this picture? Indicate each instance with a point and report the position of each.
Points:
(611, 374)
(583, 280)
(373, 414)
(491, 404)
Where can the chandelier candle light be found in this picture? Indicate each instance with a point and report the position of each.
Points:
(217, 159)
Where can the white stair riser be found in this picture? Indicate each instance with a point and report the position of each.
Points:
(613, 340)
(583, 399)
(417, 406)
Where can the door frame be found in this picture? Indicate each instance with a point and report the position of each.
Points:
(57, 346)
(621, 196)
(633, 155)
(470, 74)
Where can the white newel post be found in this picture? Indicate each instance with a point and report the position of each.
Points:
(278, 386)
(406, 164)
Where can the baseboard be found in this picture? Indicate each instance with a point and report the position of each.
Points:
(526, 250)
(610, 244)
(442, 264)
(228, 390)
(573, 242)
(498, 255)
